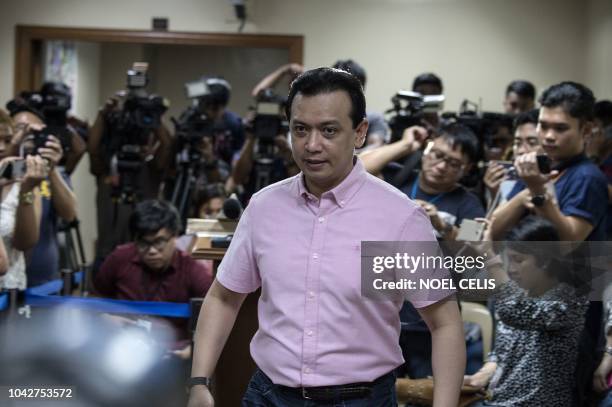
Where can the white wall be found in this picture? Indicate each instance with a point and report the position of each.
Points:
(599, 48)
(477, 46)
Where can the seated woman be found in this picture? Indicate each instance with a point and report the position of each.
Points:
(540, 319)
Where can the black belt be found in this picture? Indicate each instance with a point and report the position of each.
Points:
(338, 393)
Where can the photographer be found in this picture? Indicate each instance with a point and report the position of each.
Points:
(130, 148)
(578, 205)
(75, 129)
(56, 194)
(20, 208)
(525, 141)
(266, 155)
(51, 105)
(228, 136)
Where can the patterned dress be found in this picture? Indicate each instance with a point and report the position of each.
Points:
(16, 275)
(536, 346)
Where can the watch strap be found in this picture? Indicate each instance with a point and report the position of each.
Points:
(200, 380)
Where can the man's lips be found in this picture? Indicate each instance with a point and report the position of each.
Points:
(314, 163)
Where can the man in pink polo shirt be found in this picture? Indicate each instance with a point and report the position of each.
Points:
(319, 341)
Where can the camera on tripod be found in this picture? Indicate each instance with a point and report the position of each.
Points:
(408, 110)
(128, 130)
(269, 120)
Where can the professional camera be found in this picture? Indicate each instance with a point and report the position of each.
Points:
(409, 109)
(141, 112)
(269, 121)
(483, 124)
(52, 103)
(128, 130)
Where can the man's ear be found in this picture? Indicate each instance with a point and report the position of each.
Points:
(586, 129)
(360, 133)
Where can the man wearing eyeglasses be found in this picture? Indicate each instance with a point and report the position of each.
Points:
(151, 268)
(446, 159)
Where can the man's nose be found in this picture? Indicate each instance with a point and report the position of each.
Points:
(313, 141)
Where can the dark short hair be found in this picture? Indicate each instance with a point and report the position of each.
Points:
(576, 99)
(458, 135)
(603, 112)
(326, 80)
(150, 216)
(524, 89)
(353, 67)
(428, 78)
(220, 92)
(531, 229)
(530, 116)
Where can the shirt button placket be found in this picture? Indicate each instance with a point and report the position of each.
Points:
(312, 281)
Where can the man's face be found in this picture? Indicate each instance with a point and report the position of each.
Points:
(561, 135)
(498, 143)
(515, 104)
(323, 138)
(596, 141)
(6, 135)
(23, 119)
(428, 89)
(156, 250)
(443, 166)
(526, 140)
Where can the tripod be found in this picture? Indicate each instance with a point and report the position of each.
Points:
(71, 258)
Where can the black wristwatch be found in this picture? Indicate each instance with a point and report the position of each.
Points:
(538, 200)
(195, 381)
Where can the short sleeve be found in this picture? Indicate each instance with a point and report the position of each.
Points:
(238, 270)
(586, 197)
(418, 239)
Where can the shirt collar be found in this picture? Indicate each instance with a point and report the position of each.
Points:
(343, 192)
(570, 162)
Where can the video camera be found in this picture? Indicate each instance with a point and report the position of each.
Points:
(269, 121)
(408, 110)
(129, 129)
(483, 124)
(141, 112)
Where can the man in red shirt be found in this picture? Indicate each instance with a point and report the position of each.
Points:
(151, 268)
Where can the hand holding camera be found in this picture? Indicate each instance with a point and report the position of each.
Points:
(535, 171)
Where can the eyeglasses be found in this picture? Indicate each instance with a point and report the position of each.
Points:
(529, 142)
(158, 244)
(436, 156)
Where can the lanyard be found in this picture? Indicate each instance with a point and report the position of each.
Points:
(415, 187)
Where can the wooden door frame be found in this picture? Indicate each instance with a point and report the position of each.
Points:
(29, 40)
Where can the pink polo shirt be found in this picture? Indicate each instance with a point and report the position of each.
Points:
(315, 328)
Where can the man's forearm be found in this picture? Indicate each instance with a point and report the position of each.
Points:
(64, 200)
(448, 362)
(27, 223)
(244, 163)
(93, 146)
(375, 160)
(215, 322)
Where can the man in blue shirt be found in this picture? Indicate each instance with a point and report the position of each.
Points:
(579, 203)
